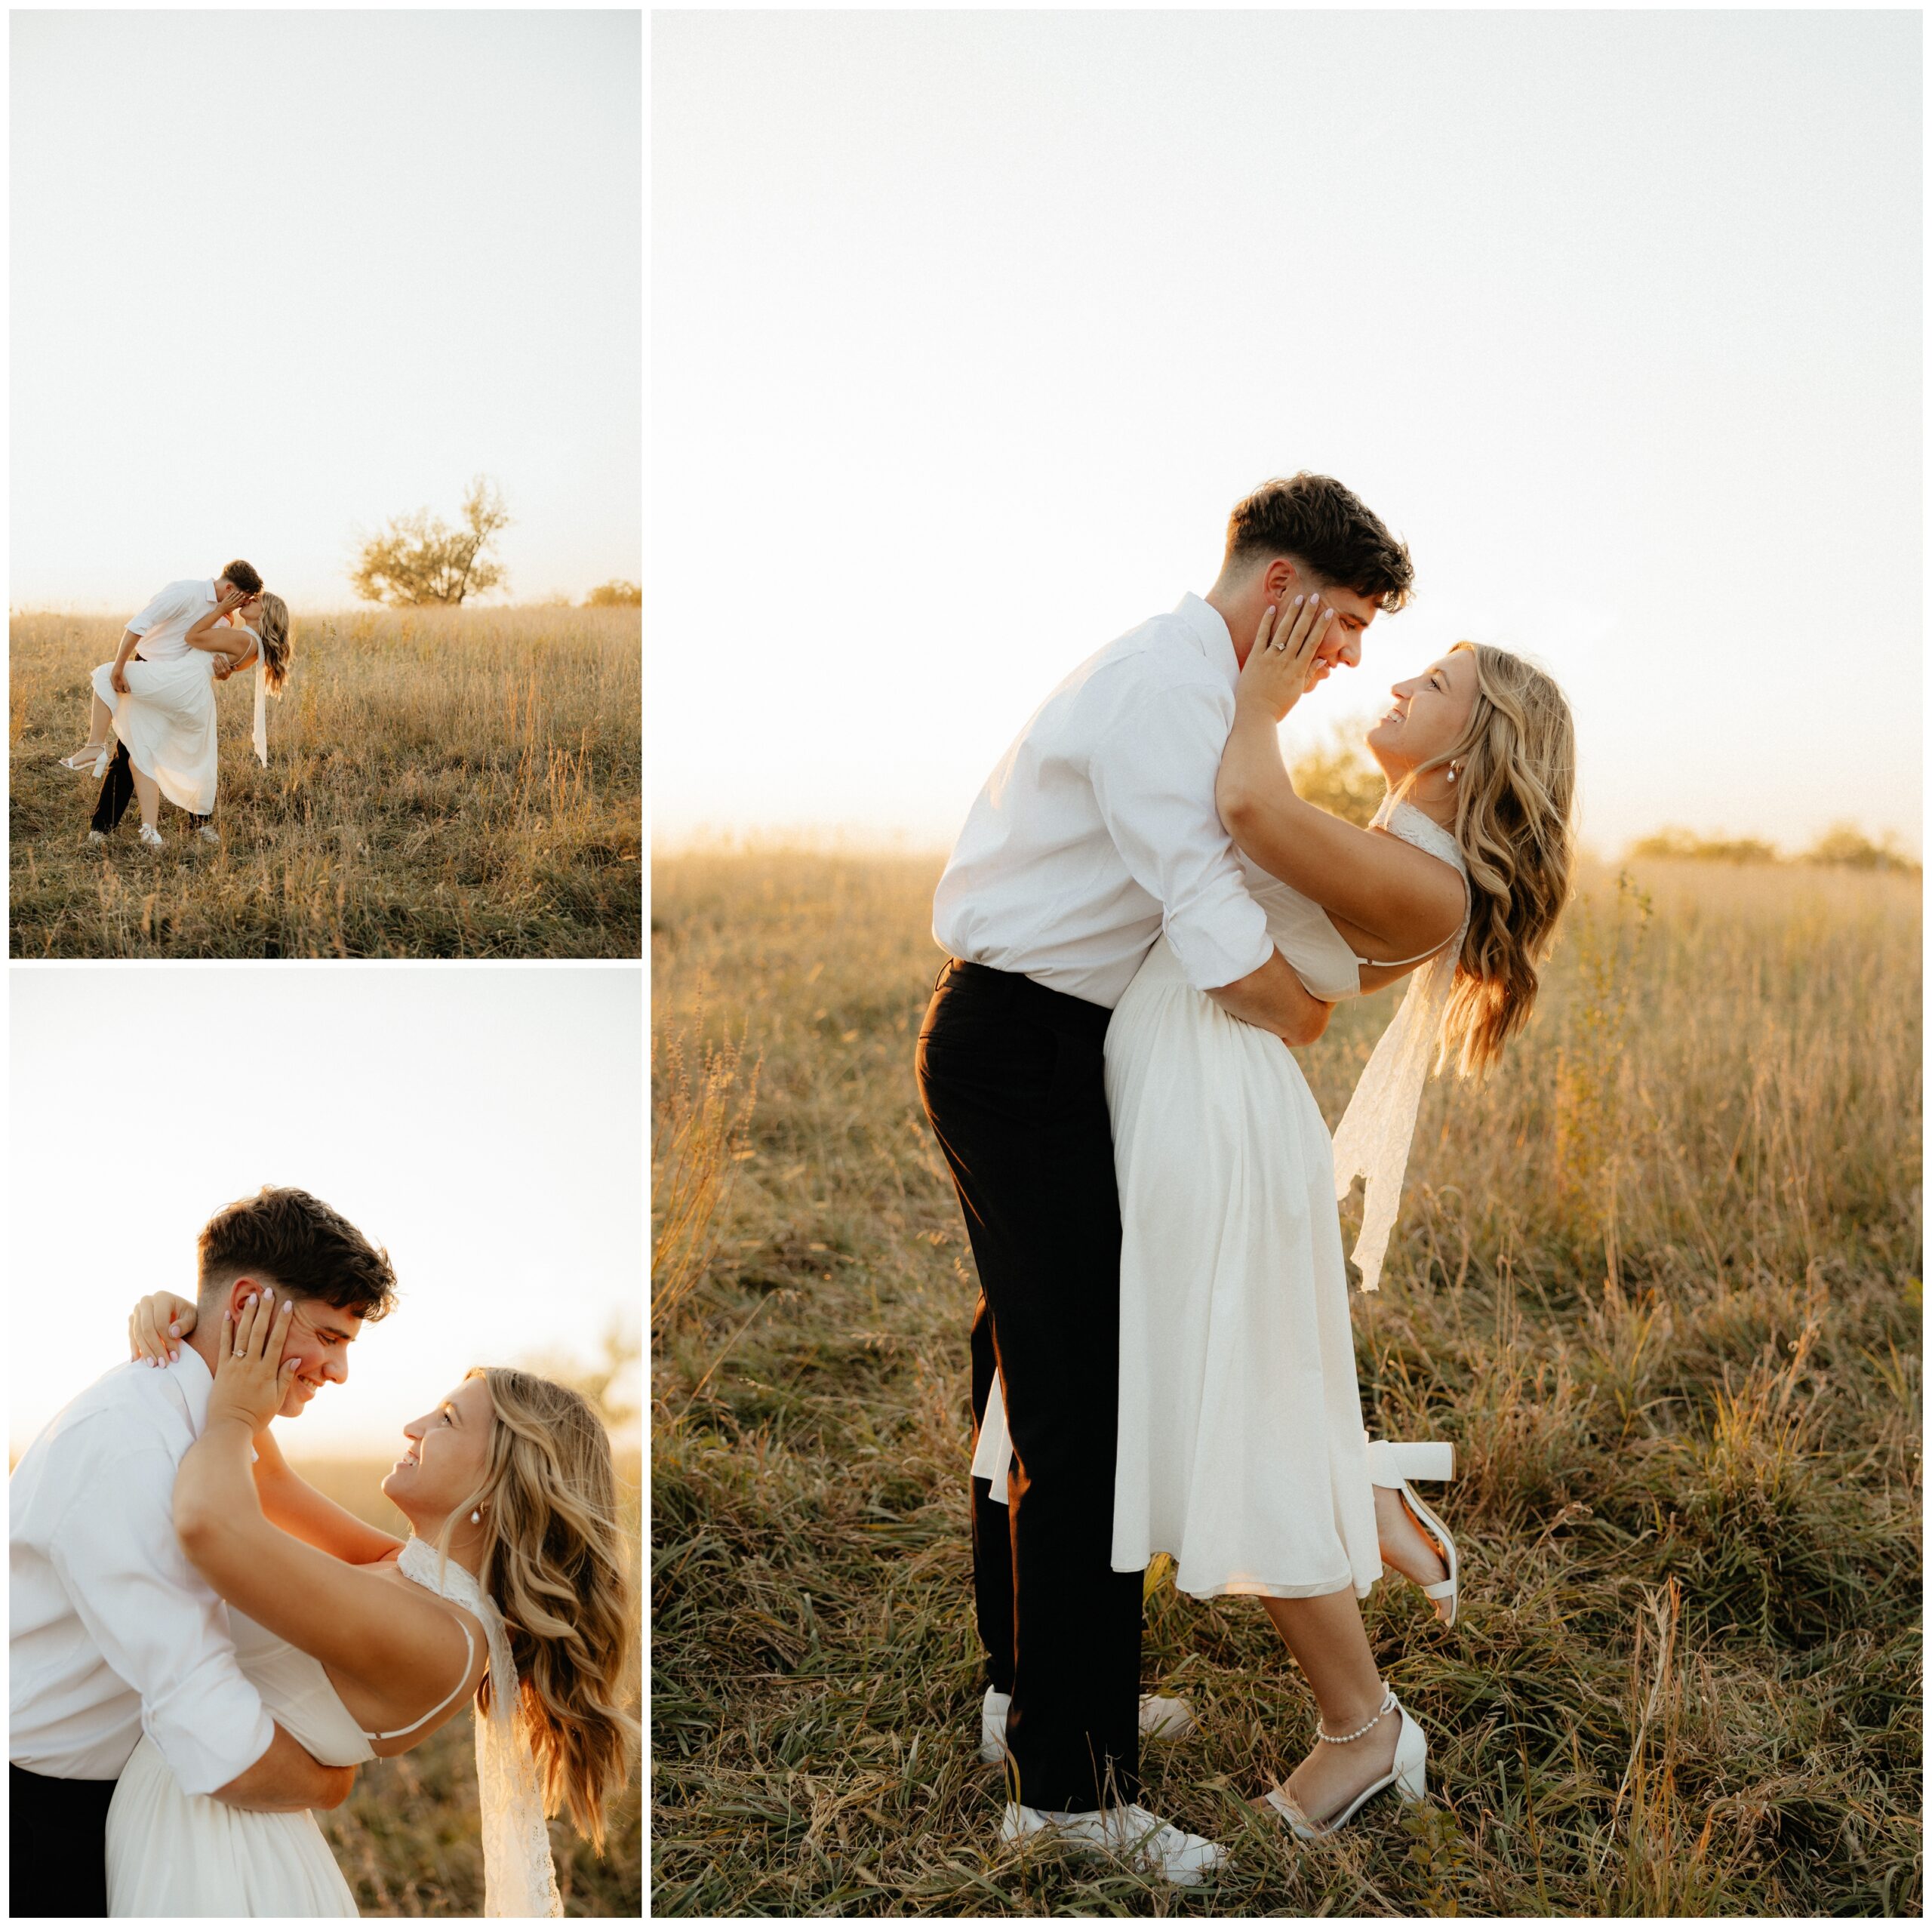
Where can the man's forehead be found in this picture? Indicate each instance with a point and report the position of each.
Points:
(321, 1316)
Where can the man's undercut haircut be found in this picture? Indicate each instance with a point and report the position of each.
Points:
(244, 577)
(1315, 522)
(295, 1239)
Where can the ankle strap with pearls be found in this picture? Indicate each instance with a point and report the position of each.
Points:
(1322, 1734)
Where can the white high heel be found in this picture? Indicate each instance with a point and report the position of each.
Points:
(1393, 1464)
(151, 837)
(1409, 1776)
(89, 759)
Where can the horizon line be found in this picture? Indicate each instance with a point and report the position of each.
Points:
(558, 601)
(859, 839)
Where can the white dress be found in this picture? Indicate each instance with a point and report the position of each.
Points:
(167, 720)
(1241, 1451)
(176, 1855)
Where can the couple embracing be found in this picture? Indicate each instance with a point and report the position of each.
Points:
(204, 1648)
(157, 698)
(1142, 916)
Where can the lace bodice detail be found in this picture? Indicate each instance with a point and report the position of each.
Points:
(1405, 820)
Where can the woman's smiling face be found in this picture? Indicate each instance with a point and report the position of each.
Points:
(1428, 716)
(448, 1451)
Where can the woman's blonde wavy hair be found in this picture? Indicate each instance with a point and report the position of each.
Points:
(1515, 792)
(277, 649)
(556, 1561)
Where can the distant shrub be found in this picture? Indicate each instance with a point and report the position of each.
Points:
(418, 559)
(617, 594)
(1674, 842)
(1844, 846)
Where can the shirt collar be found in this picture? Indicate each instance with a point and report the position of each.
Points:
(1210, 634)
(194, 1382)
(208, 590)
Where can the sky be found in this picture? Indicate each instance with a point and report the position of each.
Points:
(968, 330)
(484, 1125)
(277, 276)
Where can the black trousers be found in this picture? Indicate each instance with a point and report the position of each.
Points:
(59, 1852)
(1010, 1075)
(117, 790)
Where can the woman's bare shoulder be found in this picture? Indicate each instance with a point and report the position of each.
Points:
(1430, 872)
(430, 1646)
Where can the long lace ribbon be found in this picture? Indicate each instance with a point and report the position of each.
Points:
(1372, 1140)
(261, 734)
(519, 1876)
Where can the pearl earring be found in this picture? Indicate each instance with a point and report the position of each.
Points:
(1452, 772)
(476, 1518)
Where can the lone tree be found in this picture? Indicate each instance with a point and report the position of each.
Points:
(615, 594)
(420, 559)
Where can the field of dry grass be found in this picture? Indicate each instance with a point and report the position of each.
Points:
(461, 783)
(1658, 1279)
(406, 1838)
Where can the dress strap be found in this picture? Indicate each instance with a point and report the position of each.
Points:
(1422, 956)
(469, 1660)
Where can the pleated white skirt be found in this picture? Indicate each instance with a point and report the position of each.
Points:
(1241, 1449)
(167, 721)
(183, 1856)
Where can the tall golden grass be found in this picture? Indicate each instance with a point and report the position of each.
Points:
(1658, 1278)
(441, 783)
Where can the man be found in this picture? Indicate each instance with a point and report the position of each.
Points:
(1096, 831)
(112, 1632)
(169, 614)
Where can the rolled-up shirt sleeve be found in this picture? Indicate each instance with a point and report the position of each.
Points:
(1153, 776)
(157, 1623)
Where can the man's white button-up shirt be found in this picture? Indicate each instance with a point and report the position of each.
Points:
(111, 1631)
(164, 624)
(1097, 831)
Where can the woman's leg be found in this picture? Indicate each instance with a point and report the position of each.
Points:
(99, 717)
(1405, 1546)
(147, 793)
(1325, 1635)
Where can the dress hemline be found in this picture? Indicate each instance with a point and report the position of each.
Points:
(1255, 1589)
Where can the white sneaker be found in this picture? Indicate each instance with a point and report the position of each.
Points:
(209, 834)
(1130, 1833)
(1160, 1719)
(96, 837)
(151, 837)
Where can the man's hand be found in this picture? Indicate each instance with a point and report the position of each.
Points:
(1274, 998)
(224, 669)
(287, 1779)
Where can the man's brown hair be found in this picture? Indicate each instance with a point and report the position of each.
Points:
(1313, 520)
(244, 577)
(308, 1249)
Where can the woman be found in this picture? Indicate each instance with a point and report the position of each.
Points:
(162, 706)
(513, 1591)
(1240, 1446)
